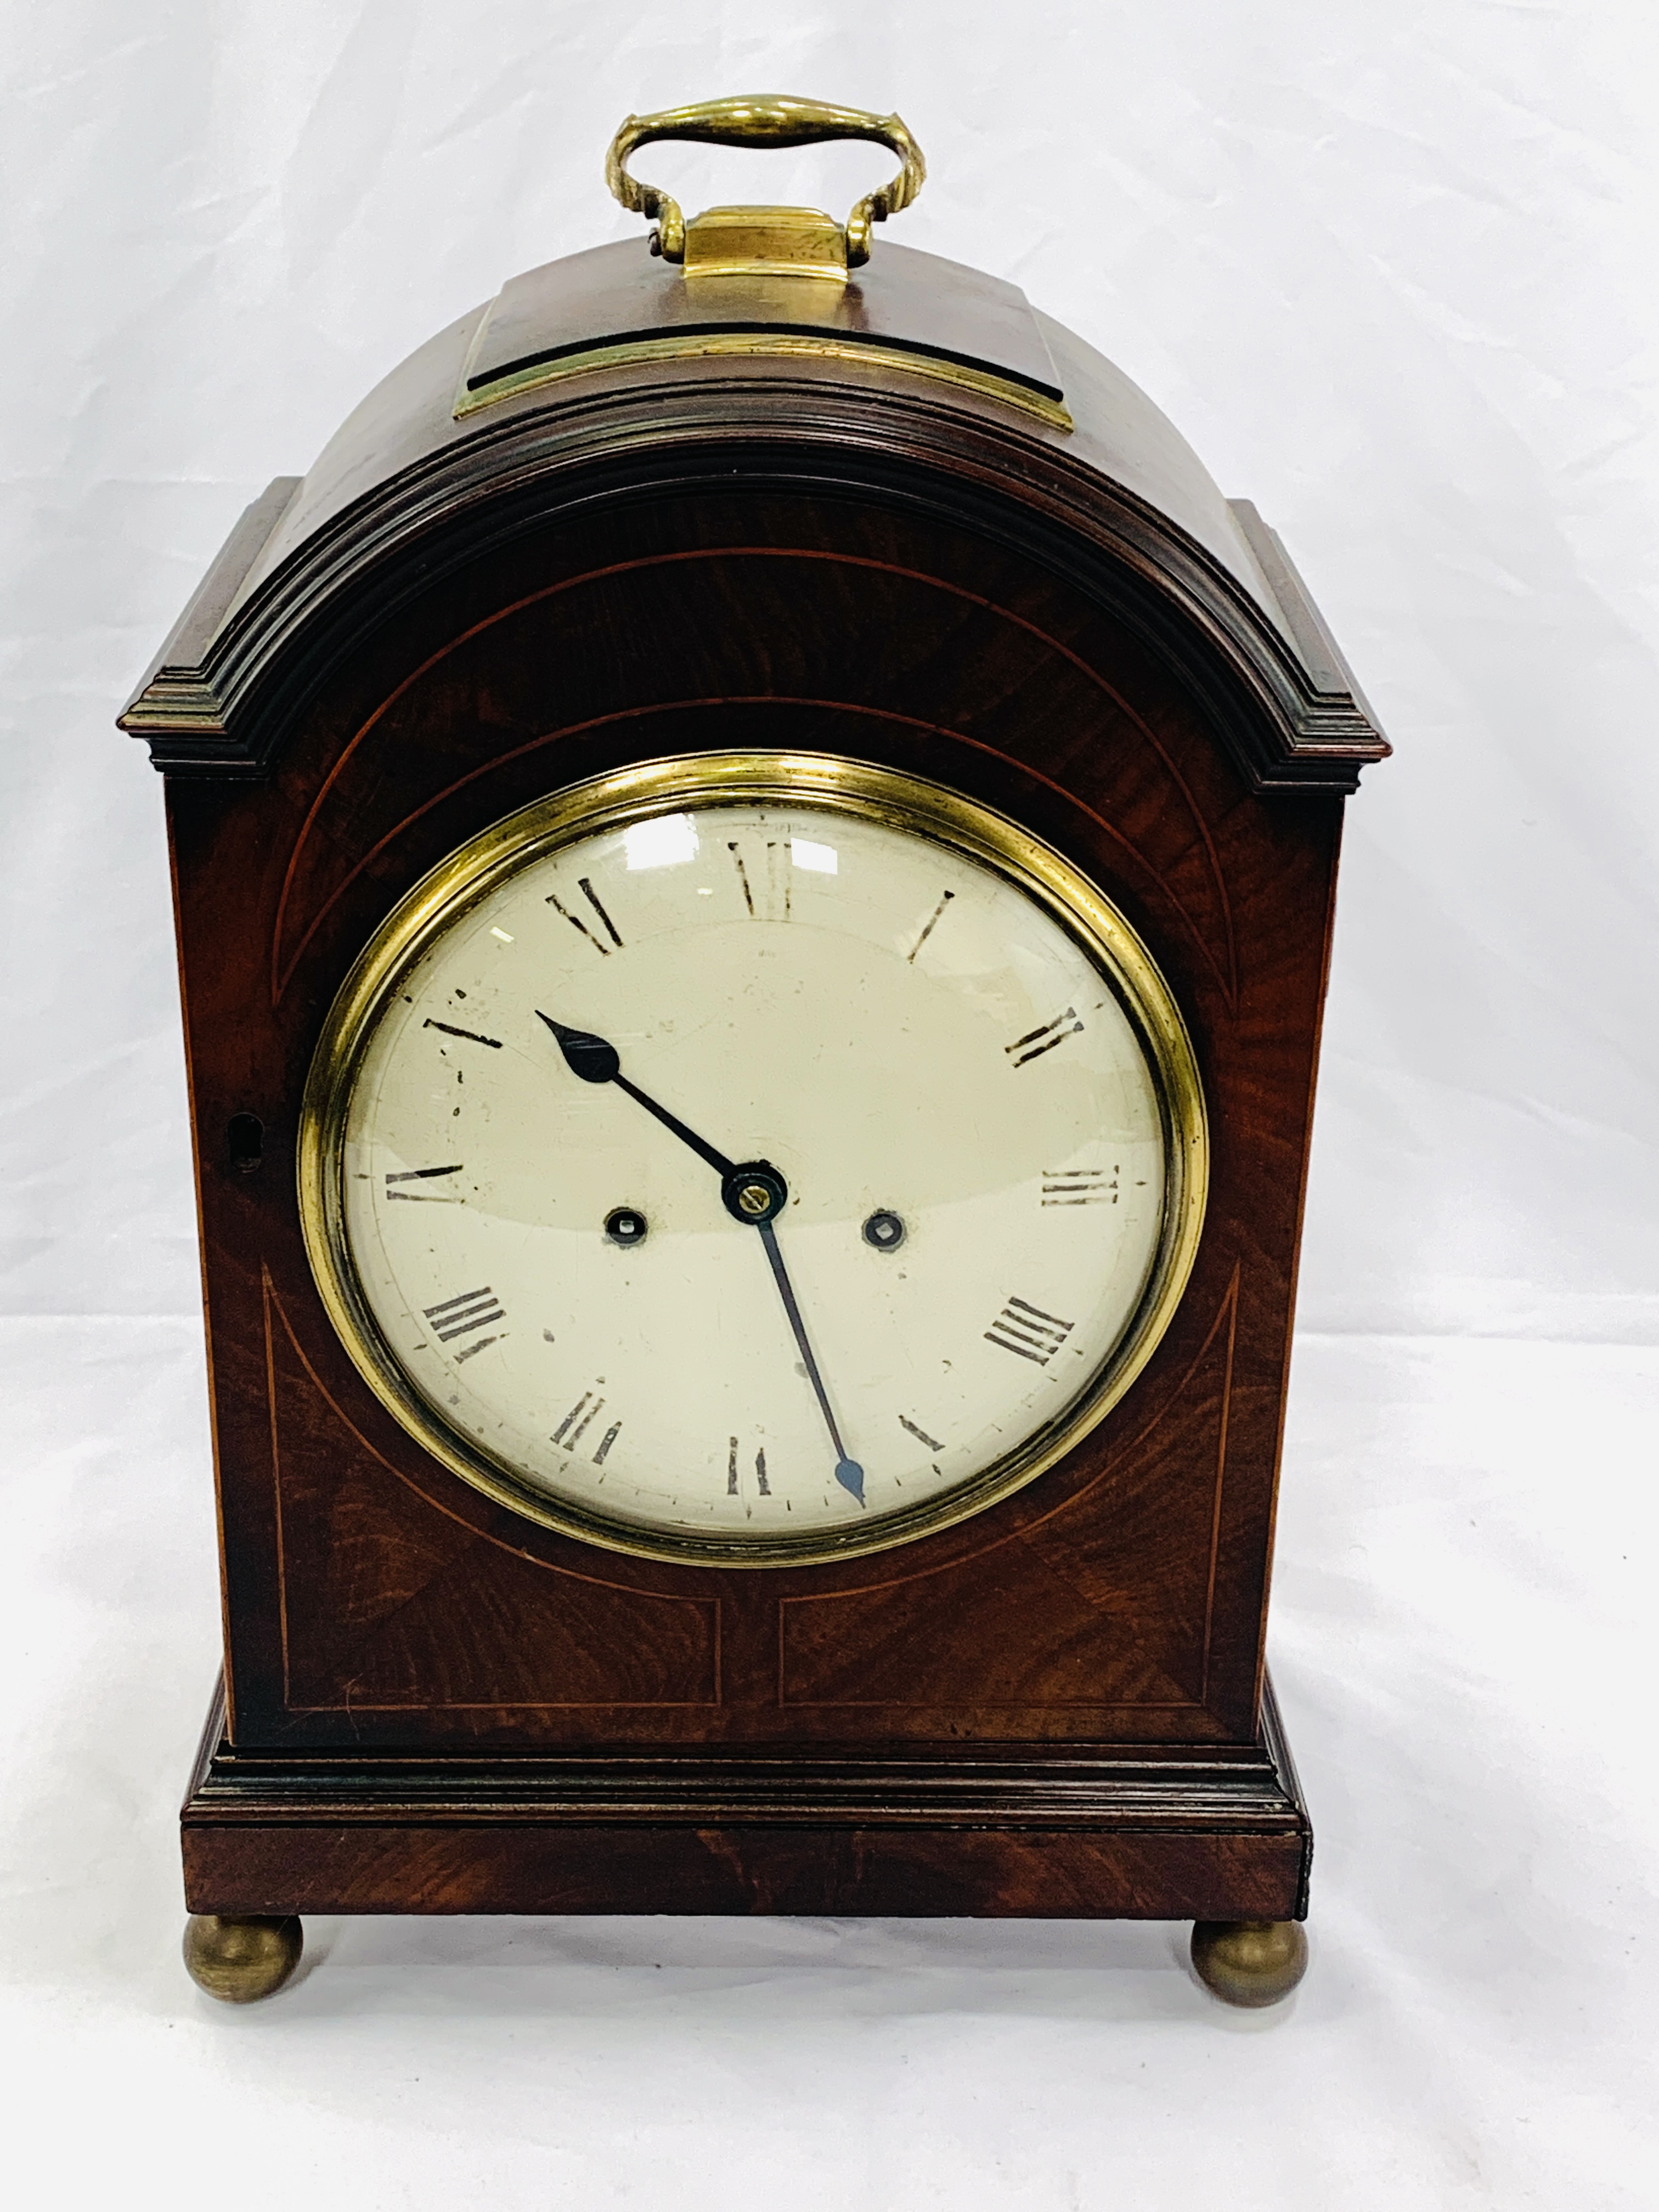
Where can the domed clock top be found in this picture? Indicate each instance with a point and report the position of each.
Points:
(507, 396)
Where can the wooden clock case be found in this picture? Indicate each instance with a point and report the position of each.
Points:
(562, 539)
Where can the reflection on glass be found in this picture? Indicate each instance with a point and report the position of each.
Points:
(665, 843)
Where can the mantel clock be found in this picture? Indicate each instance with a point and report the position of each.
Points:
(754, 852)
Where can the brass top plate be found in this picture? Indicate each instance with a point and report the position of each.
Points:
(914, 312)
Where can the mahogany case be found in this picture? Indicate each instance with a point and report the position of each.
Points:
(1059, 1706)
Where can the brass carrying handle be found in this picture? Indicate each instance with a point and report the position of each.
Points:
(764, 119)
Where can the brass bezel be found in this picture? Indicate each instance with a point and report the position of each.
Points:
(629, 795)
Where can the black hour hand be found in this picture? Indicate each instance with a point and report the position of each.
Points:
(584, 1055)
(597, 1060)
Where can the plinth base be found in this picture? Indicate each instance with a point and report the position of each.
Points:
(1210, 1834)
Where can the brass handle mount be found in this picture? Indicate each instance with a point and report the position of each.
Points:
(764, 119)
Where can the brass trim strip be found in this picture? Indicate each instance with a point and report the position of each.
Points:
(762, 345)
(611, 802)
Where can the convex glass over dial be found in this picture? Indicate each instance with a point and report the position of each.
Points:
(752, 1158)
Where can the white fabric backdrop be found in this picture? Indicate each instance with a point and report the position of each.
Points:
(1389, 265)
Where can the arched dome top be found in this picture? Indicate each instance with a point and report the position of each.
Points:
(567, 364)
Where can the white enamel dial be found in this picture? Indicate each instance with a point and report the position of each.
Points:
(969, 1156)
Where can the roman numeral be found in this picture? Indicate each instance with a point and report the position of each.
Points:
(1079, 1187)
(581, 1418)
(921, 1435)
(743, 877)
(585, 885)
(421, 1174)
(459, 1316)
(732, 1482)
(592, 898)
(471, 1036)
(929, 925)
(1035, 1043)
(1028, 1330)
(762, 897)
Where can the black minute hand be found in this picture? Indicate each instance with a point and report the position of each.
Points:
(849, 1472)
(754, 1193)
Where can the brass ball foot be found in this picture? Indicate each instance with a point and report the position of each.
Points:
(1250, 1962)
(239, 1961)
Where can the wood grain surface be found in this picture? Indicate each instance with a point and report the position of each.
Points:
(378, 1607)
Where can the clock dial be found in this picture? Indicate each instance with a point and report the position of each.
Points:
(763, 1172)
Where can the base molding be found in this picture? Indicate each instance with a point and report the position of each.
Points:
(1175, 1833)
